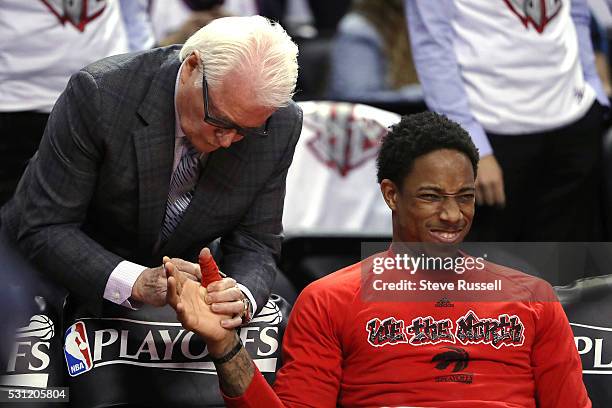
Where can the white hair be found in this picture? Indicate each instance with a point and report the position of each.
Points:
(255, 47)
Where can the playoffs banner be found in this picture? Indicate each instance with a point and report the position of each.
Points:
(30, 335)
(141, 357)
(146, 357)
(588, 305)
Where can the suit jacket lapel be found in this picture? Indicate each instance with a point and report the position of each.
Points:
(154, 146)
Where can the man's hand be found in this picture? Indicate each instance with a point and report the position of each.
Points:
(490, 183)
(187, 297)
(151, 286)
(225, 297)
(190, 268)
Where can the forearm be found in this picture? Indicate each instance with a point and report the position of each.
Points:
(242, 385)
(236, 374)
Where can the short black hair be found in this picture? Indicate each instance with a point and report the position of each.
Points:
(416, 135)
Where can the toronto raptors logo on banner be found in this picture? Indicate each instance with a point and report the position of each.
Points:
(79, 13)
(538, 13)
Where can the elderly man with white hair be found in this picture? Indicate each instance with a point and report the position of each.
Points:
(159, 153)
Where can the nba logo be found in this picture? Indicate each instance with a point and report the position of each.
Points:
(76, 350)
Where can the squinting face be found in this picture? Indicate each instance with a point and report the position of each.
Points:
(436, 202)
(230, 101)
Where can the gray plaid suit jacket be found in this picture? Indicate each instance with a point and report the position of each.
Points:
(95, 192)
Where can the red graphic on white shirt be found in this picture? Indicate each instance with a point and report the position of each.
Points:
(538, 13)
(79, 13)
(343, 141)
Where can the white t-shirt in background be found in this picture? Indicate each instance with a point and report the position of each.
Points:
(42, 43)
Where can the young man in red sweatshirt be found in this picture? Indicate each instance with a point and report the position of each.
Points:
(351, 343)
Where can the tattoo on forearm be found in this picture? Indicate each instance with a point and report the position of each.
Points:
(236, 374)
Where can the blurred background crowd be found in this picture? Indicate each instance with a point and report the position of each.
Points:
(538, 113)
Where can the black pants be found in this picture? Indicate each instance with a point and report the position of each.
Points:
(20, 134)
(552, 182)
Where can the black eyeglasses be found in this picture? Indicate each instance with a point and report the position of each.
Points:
(261, 131)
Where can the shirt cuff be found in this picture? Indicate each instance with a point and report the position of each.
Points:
(480, 139)
(121, 281)
(249, 295)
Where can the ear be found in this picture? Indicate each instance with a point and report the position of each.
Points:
(390, 193)
(192, 61)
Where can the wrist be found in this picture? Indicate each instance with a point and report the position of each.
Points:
(222, 347)
(137, 294)
(229, 355)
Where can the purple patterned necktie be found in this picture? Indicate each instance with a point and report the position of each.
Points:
(183, 182)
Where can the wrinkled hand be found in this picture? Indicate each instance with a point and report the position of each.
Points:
(490, 183)
(151, 286)
(225, 297)
(191, 269)
(187, 298)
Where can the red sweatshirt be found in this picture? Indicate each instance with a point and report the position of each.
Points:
(341, 350)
